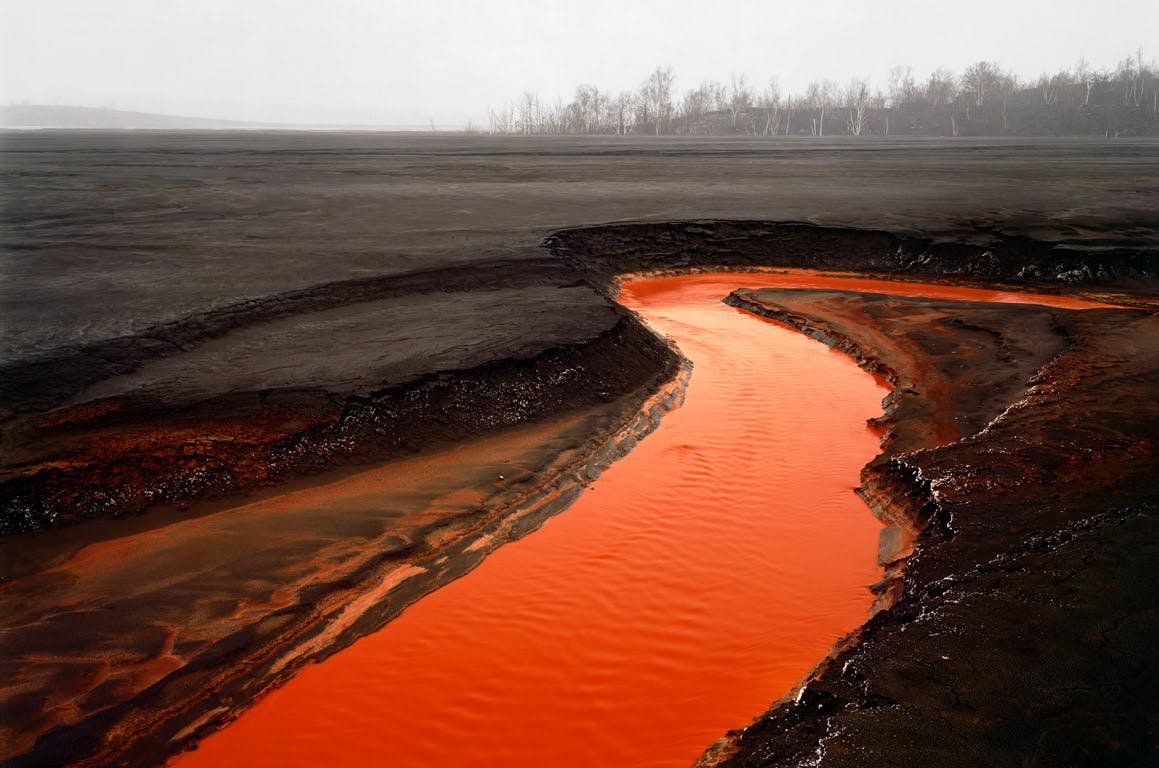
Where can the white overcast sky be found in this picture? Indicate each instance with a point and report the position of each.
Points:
(410, 61)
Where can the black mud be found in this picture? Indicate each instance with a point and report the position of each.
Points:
(192, 316)
(1019, 630)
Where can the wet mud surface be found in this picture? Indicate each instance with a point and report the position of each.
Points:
(118, 650)
(1020, 620)
(556, 650)
(167, 296)
(189, 317)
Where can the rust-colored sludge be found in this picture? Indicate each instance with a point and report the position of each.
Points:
(693, 584)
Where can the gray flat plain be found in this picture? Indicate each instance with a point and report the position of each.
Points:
(107, 234)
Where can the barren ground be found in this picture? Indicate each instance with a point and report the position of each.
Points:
(192, 316)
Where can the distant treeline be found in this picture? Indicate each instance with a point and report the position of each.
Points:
(984, 100)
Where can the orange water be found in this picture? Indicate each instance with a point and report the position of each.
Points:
(799, 278)
(694, 583)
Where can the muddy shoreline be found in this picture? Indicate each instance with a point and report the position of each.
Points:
(74, 452)
(1022, 604)
(71, 457)
(919, 419)
(223, 676)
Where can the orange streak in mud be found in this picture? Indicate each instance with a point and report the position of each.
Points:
(803, 278)
(693, 584)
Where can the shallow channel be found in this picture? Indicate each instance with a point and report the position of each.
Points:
(694, 583)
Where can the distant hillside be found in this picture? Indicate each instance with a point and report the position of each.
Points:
(93, 118)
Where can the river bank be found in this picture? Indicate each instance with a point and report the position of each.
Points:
(129, 258)
(955, 366)
(1020, 613)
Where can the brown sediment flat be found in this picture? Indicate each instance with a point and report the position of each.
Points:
(1020, 622)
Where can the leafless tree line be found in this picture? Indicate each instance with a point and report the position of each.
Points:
(983, 91)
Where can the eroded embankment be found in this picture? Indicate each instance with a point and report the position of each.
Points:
(1019, 629)
(231, 441)
(603, 252)
(204, 407)
(348, 375)
(172, 632)
(694, 573)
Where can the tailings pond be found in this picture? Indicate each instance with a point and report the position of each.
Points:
(694, 583)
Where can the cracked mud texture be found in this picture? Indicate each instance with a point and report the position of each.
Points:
(1021, 627)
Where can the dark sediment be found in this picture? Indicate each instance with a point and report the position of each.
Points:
(202, 259)
(229, 416)
(126, 653)
(604, 252)
(1019, 630)
(204, 406)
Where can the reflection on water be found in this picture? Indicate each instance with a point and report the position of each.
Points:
(695, 582)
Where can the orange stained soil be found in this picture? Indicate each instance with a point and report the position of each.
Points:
(801, 278)
(693, 584)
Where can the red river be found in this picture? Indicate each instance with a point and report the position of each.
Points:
(692, 585)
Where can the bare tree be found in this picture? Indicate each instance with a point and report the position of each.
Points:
(620, 112)
(1006, 85)
(901, 89)
(980, 79)
(1048, 89)
(1071, 100)
(740, 97)
(1134, 73)
(585, 112)
(497, 121)
(812, 100)
(819, 97)
(1084, 75)
(770, 104)
(940, 87)
(528, 112)
(857, 101)
(697, 103)
(656, 94)
(1125, 73)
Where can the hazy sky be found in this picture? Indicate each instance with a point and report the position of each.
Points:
(410, 61)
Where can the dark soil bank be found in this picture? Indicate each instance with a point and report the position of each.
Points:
(194, 315)
(191, 316)
(1020, 629)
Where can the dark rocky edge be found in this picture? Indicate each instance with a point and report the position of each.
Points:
(1017, 629)
(601, 253)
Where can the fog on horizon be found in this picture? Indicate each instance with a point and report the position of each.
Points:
(412, 63)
